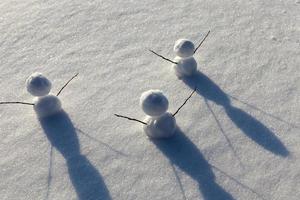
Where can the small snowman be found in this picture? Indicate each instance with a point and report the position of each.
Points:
(184, 64)
(158, 123)
(44, 103)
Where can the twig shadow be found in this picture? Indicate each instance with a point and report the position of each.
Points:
(184, 154)
(101, 143)
(86, 179)
(49, 179)
(253, 128)
(224, 134)
(264, 112)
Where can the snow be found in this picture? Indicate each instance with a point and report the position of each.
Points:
(159, 123)
(154, 102)
(160, 127)
(237, 137)
(185, 66)
(184, 48)
(38, 85)
(47, 105)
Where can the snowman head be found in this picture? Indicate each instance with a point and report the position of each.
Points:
(184, 48)
(38, 85)
(154, 103)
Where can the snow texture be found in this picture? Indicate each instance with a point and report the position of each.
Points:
(38, 85)
(185, 66)
(160, 127)
(154, 102)
(47, 105)
(237, 137)
(184, 48)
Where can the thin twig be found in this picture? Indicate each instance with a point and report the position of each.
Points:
(129, 118)
(202, 41)
(16, 102)
(185, 101)
(66, 84)
(171, 61)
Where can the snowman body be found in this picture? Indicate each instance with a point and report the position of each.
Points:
(160, 127)
(159, 122)
(186, 64)
(45, 104)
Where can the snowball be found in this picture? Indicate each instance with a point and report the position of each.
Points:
(185, 66)
(163, 126)
(154, 102)
(184, 48)
(47, 105)
(38, 85)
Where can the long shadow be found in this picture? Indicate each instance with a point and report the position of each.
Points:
(86, 179)
(183, 153)
(253, 128)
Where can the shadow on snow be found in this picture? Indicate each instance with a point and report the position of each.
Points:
(183, 153)
(86, 179)
(253, 128)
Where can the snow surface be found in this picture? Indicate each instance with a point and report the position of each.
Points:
(238, 137)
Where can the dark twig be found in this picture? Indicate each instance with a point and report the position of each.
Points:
(129, 118)
(201, 42)
(185, 101)
(171, 61)
(17, 102)
(66, 84)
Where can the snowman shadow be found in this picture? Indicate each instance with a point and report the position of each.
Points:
(85, 178)
(184, 154)
(252, 128)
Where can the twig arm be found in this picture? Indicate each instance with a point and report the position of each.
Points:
(16, 102)
(132, 119)
(167, 59)
(202, 41)
(185, 101)
(66, 84)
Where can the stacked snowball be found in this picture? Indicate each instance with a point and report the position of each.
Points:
(187, 65)
(45, 104)
(160, 123)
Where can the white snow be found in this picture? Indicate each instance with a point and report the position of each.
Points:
(159, 122)
(185, 66)
(154, 102)
(184, 48)
(47, 105)
(160, 127)
(238, 136)
(38, 85)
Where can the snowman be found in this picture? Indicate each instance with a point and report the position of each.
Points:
(158, 123)
(44, 103)
(184, 64)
